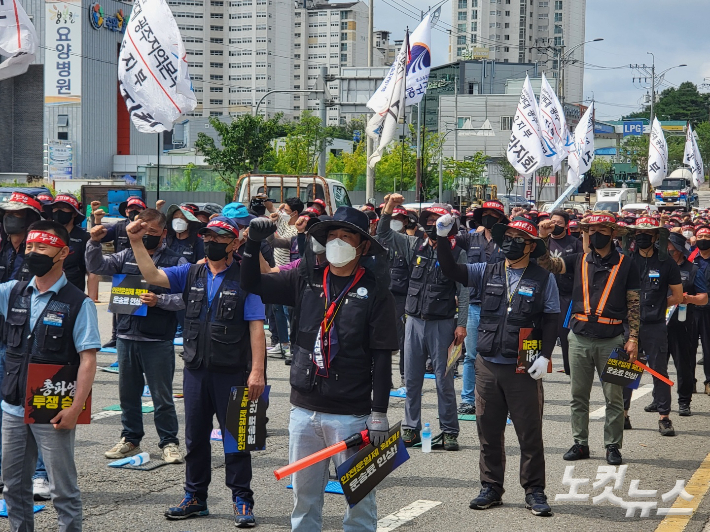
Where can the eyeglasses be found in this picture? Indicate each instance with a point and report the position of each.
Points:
(516, 239)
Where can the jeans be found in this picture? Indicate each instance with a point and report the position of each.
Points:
(40, 468)
(21, 443)
(155, 360)
(3, 348)
(281, 315)
(206, 395)
(310, 432)
(469, 362)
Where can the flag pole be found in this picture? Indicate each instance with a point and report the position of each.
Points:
(157, 187)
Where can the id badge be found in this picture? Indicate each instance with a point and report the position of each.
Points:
(654, 274)
(53, 318)
(527, 291)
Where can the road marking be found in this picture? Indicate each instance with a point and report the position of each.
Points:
(406, 514)
(638, 393)
(110, 413)
(698, 487)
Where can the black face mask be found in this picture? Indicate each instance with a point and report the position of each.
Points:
(511, 249)
(13, 225)
(576, 234)
(132, 215)
(62, 217)
(430, 230)
(215, 251)
(151, 241)
(557, 231)
(488, 221)
(644, 241)
(39, 264)
(471, 224)
(599, 240)
(703, 245)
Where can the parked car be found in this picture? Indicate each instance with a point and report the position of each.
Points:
(515, 200)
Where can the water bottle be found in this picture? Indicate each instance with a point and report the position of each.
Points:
(140, 459)
(426, 439)
(682, 311)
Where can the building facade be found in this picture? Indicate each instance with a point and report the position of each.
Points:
(523, 31)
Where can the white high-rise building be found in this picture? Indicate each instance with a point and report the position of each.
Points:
(238, 50)
(522, 31)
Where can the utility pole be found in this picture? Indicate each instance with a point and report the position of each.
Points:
(653, 86)
(323, 119)
(370, 144)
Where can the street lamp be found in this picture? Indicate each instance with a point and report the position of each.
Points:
(657, 78)
(560, 66)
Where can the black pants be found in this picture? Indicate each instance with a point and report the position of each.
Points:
(206, 395)
(683, 357)
(399, 301)
(563, 332)
(653, 344)
(500, 390)
(702, 329)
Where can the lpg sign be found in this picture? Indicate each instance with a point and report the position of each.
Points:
(633, 128)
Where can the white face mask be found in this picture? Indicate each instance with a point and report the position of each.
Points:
(179, 225)
(317, 247)
(396, 226)
(284, 216)
(687, 234)
(339, 253)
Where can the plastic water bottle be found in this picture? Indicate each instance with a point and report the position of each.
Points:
(140, 459)
(426, 439)
(682, 311)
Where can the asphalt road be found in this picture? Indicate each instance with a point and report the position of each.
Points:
(126, 500)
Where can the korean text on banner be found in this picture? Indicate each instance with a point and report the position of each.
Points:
(419, 63)
(525, 147)
(555, 136)
(18, 39)
(62, 57)
(692, 157)
(657, 155)
(152, 68)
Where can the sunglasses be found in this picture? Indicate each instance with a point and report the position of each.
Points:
(516, 239)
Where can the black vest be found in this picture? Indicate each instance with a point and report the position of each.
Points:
(499, 330)
(51, 341)
(158, 324)
(431, 295)
(185, 248)
(475, 253)
(399, 273)
(565, 281)
(120, 236)
(8, 258)
(688, 271)
(349, 381)
(215, 335)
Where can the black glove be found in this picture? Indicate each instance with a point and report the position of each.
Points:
(261, 228)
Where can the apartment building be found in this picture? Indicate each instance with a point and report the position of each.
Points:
(523, 31)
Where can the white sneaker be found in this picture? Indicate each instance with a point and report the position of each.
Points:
(277, 349)
(40, 489)
(172, 454)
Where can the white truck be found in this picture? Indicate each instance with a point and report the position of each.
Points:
(677, 191)
(279, 187)
(614, 199)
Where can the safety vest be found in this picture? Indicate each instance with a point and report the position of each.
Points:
(120, 238)
(475, 253)
(50, 342)
(399, 273)
(600, 313)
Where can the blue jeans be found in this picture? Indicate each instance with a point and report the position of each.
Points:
(155, 360)
(310, 432)
(469, 362)
(281, 316)
(3, 348)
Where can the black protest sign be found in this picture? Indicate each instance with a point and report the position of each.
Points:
(370, 465)
(621, 372)
(246, 421)
(125, 295)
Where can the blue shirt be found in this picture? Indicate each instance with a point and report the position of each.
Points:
(86, 329)
(551, 296)
(177, 275)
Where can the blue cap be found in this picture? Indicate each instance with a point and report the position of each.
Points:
(222, 226)
(238, 212)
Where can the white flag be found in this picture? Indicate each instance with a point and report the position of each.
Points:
(553, 127)
(388, 103)
(419, 62)
(525, 150)
(152, 68)
(582, 153)
(18, 39)
(692, 157)
(657, 155)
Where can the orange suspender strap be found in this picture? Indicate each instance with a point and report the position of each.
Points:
(607, 288)
(585, 285)
(605, 293)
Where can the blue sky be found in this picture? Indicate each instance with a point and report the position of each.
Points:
(676, 32)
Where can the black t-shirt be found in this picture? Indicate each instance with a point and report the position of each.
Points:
(561, 247)
(655, 277)
(74, 265)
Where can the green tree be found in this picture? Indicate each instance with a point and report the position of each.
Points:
(508, 172)
(397, 168)
(189, 182)
(245, 142)
(467, 173)
(307, 138)
(682, 103)
(635, 150)
(543, 178)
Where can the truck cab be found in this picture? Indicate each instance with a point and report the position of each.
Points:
(614, 199)
(677, 191)
(279, 187)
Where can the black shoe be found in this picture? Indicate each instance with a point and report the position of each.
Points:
(451, 442)
(111, 343)
(577, 452)
(613, 456)
(190, 506)
(627, 423)
(684, 410)
(536, 502)
(287, 361)
(665, 427)
(467, 409)
(487, 498)
(652, 407)
(410, 437)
